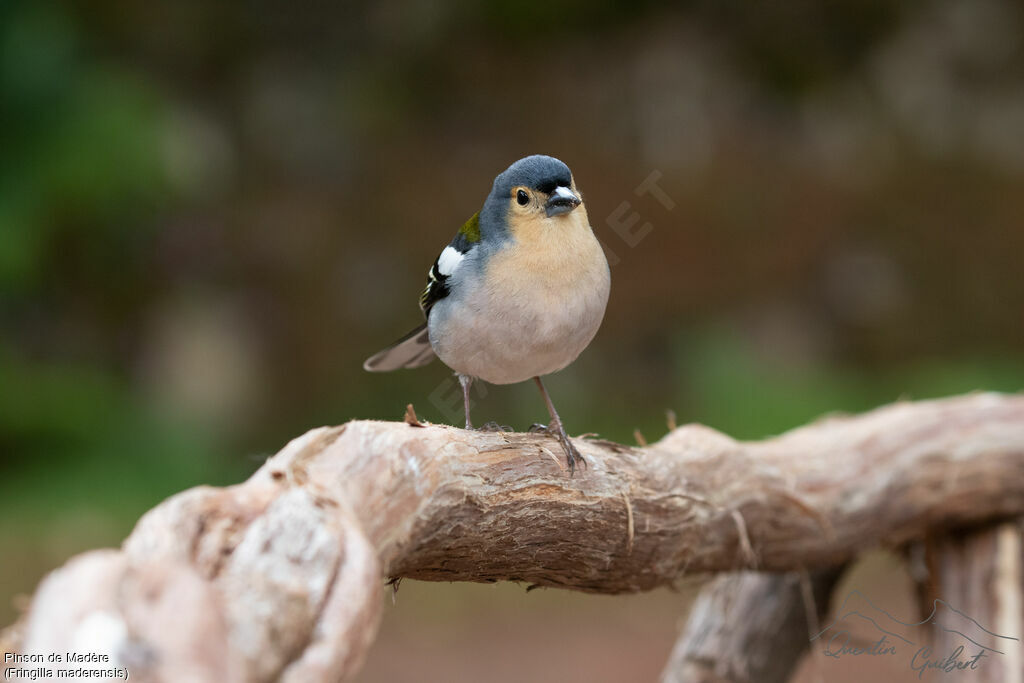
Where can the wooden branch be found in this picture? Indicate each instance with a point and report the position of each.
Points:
(981, 573)
(279, 577)
(751, 627)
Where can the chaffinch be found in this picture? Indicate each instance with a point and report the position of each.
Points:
(517, 294)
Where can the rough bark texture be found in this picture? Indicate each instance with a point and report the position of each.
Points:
(281, 576)
(751, 627)
(980, 572)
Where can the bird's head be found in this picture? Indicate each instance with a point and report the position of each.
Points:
(536, 191)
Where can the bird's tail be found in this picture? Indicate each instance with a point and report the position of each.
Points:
(411, 351)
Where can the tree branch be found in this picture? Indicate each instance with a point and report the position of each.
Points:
(280, 576)
(751, 627)
(981, 571)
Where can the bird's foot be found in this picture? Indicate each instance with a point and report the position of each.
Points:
(555, 429)
(493, 426)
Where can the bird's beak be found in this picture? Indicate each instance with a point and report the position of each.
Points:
(562, 200)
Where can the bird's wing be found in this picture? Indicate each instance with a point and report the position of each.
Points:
(414, 349)
(447, 261)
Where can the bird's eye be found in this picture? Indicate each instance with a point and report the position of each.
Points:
(522, 197)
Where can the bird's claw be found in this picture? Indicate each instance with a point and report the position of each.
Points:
(493, 426)
(572, 454)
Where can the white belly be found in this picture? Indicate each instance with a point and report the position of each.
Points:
(503, 343)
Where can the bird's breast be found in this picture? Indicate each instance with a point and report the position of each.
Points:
(530, 311)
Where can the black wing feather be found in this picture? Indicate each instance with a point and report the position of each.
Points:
(437, 287)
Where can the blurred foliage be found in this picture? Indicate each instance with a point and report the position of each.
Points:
(81, 186)
(750, 397)
(209, 216)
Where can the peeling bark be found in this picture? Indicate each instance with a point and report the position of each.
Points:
(980, 572)
(280, 576)
(751, 627)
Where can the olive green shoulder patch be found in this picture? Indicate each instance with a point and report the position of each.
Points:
(470, 230)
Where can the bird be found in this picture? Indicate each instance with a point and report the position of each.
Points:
(518, 293)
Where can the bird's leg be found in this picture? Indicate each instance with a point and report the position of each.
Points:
(466, 381)
(556, 430)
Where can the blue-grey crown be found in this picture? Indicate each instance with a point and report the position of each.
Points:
(538, 172)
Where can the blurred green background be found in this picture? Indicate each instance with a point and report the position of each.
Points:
(211, 213)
